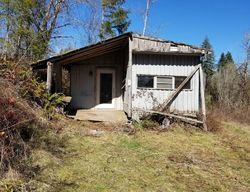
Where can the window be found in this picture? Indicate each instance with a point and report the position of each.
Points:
(179, 80)
(164, 82)
(145, 81)
(161, 82)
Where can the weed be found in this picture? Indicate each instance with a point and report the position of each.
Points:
(213, 123)
(147, 124)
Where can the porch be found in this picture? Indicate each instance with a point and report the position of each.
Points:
(101, 115)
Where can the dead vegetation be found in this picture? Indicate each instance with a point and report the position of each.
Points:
(214, 122)
(25, 111)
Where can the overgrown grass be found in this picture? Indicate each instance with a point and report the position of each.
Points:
(177, 160)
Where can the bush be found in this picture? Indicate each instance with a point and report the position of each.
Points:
(228, 93)
(16, 116)
(25, 107)
(148, 124)
(213, 123)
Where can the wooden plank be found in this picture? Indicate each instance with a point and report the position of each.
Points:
(178, 90)
(202, 96)
(129, 79)
(186, 119)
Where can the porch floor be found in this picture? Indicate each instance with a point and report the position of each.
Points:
(105, 115)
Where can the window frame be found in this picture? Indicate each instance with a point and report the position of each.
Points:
(190, 81)
(138, 75)
(155, 82)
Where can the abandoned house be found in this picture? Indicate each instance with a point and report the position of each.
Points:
(131, 73)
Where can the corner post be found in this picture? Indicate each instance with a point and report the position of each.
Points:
(202, 96)
(130, 77)
(49, 76)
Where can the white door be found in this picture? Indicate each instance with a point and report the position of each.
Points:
(105, 88)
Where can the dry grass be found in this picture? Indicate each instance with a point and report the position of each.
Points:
(177, 160)
(214, 122)
(241, 115)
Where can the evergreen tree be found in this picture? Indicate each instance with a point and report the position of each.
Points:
(222, 61)
(114, 18)
(229, 58)
(225, 60)
(208, 64)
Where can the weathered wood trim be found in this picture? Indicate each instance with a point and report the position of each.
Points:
(49, 76)
(202, 96)
(178, 90)
(129, 80)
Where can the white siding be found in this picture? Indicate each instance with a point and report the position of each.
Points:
(83, 83)
(82, 86)
(186, 102)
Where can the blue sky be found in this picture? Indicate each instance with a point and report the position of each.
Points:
(189, 21)
(224, 22)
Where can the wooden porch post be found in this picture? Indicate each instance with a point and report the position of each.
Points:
(202, 96)
(129, 69)
(49, 76)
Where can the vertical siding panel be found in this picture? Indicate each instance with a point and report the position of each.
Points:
(187, 100)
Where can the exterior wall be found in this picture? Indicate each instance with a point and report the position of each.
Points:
(84, 77)
(186, 102)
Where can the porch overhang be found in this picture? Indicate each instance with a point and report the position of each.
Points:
(84, 53)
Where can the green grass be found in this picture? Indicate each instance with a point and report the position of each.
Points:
(177, 160)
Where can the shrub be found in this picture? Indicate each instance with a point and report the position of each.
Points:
(149, 124)
(213, 123)
(25, 106)
(15, 118)
(53, 105)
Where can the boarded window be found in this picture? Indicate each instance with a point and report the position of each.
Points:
(179, 80)
(145, 81)
(164, 82)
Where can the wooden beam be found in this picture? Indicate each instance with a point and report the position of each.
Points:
(49, 76)
(186, 119)
(129, 77)
(178, 90)
(202, 96)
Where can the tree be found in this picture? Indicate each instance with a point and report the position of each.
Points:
(92, 22)
(208, 64)
(222, 61)
(30, 26)
(114, 18)
(229, 58)
(89, 23)
(244, 72)
(225, 61)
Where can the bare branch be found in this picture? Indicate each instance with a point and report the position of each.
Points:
(146, 17)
